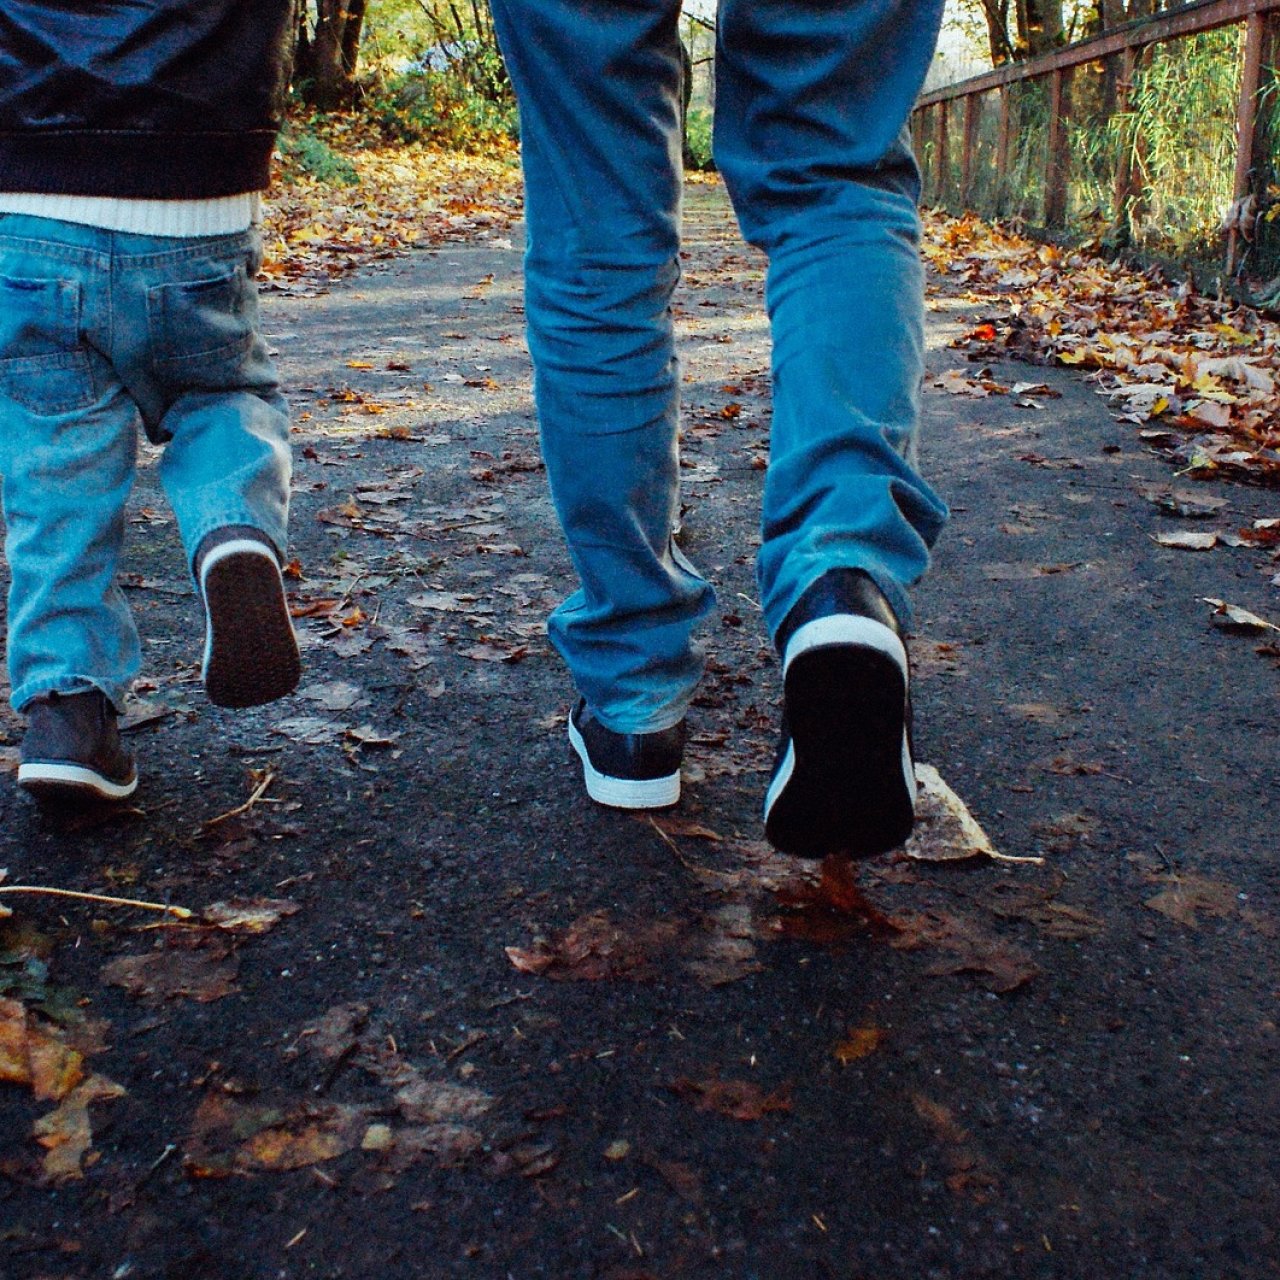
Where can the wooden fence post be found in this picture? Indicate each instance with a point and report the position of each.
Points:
(1057, 162)
(1002, 151)
(1259, 36)
(1127, 186)
(940, 156)
(972, 102)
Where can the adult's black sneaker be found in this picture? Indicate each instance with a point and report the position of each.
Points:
(843, 781)
(71, 754)
(250, 652)
(627, 770)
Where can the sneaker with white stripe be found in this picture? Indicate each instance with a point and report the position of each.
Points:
(843, 781)
(627, 770)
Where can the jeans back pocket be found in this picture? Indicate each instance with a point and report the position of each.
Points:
(201, 329)
(43, 365)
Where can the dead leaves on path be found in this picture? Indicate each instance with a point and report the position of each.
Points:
(197, 960)
(1208, 371)
(761, 896)
(419, 1114)
(51, 1061)
(406, 195)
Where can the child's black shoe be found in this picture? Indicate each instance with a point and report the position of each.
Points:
(72, 753)
(250, 652)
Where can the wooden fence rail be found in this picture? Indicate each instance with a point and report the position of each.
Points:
(932, 120)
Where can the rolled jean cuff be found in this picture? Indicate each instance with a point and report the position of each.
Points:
(23, 696)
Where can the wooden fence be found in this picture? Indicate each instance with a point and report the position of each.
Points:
(934, 123)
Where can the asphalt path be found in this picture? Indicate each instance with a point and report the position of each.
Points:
(467, 1024)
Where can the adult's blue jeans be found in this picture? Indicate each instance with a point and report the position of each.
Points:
(812, 99)
(101, 332)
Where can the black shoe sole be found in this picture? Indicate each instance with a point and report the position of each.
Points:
(848, 790)
(251, 654)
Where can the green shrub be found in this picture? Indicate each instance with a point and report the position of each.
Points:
(303, 150)
(697, 139)
(441, 108)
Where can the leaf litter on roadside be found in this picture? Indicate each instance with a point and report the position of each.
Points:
(197, 960)
(1208, 369)
(763, 896)
(45, 1044)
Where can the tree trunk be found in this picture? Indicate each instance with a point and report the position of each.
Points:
(335, 45)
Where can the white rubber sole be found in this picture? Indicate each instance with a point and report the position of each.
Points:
(847, 628)
(43, 776)
(624, 793)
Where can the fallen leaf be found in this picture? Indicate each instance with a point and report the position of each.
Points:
(66, 1133)
(202, 976)
(1230, 617)
(336, 695)
(1181, 502)
(861, 1042)
(736, 1099)
(229, 1136)
(595, 947)
(945, 830)
(830, 911)
(1189, 896)
(1187, 540)
(248, 915)
(999, 966)
(35, 1054)
(441, 1101)
(310, 1135)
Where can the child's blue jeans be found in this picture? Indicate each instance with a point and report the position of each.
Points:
(812, 100)
(101, 331)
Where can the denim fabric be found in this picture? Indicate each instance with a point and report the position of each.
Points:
(812, 102)
(101, 331)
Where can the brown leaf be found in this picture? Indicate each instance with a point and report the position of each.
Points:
(441, 1102)
(861, 1042)
(737, 1099)
(945, 830)
(66, 1133)
(202, 976)
(594, 947)
(830, 911)
(248, 915)
(999, 966)
(447, 1144)
(336, 1032)
(36, 1054)
(230, 1136)
(1188, 896)
(684, 827)
(309, 1136)
(1035, 904)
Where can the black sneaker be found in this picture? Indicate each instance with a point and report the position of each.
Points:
(843, 781)
(72, 754)
(627, 770)
(250, 652)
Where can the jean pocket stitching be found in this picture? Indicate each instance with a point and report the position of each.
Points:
(169, 303)
(31, 379)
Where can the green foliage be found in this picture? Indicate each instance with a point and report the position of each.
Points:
(697, 139)
(443, 108)
(303, 150)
